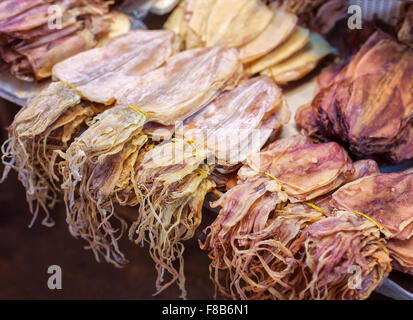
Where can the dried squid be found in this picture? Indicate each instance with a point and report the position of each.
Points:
(258, 241)
(173, 178)
(339, 246)
(367, 103)
(50, 121)
(101, 72)
(387, 199)
(99, 163)
(32, 40)
(266, 36)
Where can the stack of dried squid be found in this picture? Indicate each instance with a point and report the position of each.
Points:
(48, 124)
(113, 163)
(173, 178)
(366, 104)
(100, 163)
(283, 234)
(386, 199)
(268, 38)
(36, 34)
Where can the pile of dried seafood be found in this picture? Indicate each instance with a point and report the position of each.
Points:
(36, 34)
(173, 178)
(366, 104)
(267, 37)
(101, 161)
(386, 199)
(269, 242)
(48, 124)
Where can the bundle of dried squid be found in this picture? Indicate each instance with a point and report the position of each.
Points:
(265, 247)
(269, 242)
(48, 124)
(366, 104)
(173, 178)
(387, 200)
(100, 163)
(36, 34)
(101, 72)
(267, 37)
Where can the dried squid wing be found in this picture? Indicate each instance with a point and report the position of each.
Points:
(362, 168)
(385, 198)
(239, 121)
(43, 58)
(236, 22)
(307, 171)
(294, 43)
(170, 185)
(302, 62)
(86, 66)
(199, 19)
(12, 8)
(287, 143)
(29, 19)
(187, 83)
(92, 168)
(99, 73)
(278, 30)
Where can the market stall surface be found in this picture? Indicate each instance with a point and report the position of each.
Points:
(26, 254)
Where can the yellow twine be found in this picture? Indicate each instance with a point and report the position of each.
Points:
(203, 173)
(272, 177)
(383, 247)
(192, 142)
(378, 226)
(72, 86)
(139, 111)
(322, 212)
(368, 218)
(315, 207)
